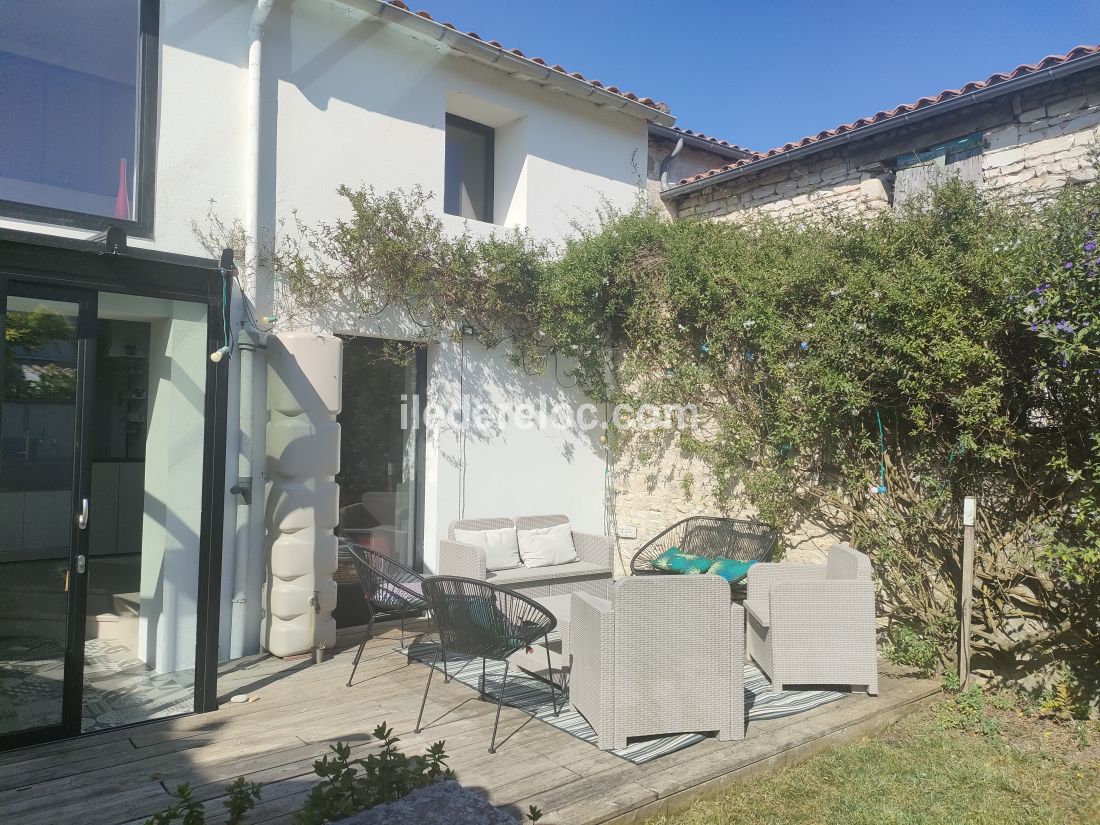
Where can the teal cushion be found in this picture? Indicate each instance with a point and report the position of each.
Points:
(486, 619)
(663, 561)
(688, 564)
(730, 569)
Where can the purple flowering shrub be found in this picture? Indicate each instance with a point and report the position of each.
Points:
(1063, 312)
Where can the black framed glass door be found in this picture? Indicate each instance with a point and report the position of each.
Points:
(48, 349)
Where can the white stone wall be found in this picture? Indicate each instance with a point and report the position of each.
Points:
(1045, 148)
(824, 186)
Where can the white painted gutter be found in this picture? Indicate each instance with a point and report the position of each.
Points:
(504, 60)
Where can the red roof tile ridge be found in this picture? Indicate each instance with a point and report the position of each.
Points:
(712, 139)
(905, 108)
(645, 101)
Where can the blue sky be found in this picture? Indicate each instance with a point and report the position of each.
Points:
(762, 73)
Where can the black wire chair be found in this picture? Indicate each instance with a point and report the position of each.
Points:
(483, 621)
(712, 538)
(389, 587)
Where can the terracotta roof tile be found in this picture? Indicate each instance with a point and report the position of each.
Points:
(878, 117)
(710, 139)
(645, 101)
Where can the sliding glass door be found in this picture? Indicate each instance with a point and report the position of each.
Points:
(48, 342)
(102, 434)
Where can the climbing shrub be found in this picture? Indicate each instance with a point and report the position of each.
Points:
(862, 375)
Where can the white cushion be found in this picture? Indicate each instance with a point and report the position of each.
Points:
(546, 546)
(501, 546)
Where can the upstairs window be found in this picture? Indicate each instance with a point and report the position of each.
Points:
(468, 170)
(71, 88)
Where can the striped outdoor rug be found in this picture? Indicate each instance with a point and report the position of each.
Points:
(532, 695)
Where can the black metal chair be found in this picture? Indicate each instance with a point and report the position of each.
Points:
(711, 537)
(389, 588)
(483, 621)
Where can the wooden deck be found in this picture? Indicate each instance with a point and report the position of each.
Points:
(121, 776)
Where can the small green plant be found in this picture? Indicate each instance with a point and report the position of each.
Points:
(687, 484)
(968, 712)
(950, 682)
(534, 813)
(1064, 701)
(242, 798)
(348, 786)
(1081, 733)
(907, 647)
(187, 810)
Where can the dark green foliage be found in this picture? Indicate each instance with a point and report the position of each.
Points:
(348, 786)
(907, 647)
(242, 798)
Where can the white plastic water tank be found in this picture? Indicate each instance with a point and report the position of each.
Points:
(303, 457)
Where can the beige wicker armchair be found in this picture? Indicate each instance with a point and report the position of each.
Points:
(591, 573)
(667, 656)
(814, 624)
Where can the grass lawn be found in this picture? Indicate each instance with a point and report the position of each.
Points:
(970, 759)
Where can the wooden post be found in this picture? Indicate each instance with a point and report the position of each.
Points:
(966, 587)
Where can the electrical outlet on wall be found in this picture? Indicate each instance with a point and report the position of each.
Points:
(627, 531)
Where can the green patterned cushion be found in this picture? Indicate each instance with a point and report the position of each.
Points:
(662, 561)
(730, 569)
(688, 564)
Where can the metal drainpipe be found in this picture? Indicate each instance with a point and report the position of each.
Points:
(246, 347)
(667, 162)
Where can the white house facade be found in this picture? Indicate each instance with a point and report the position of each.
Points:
(151, 524)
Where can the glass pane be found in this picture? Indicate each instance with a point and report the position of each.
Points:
(467, 190)
(146, 492)
(378, 465)
(69, 86)
(37, 449)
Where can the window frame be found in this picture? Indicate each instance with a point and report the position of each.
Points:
(146, 146)
(489, 133)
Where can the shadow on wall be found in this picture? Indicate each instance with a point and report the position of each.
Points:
(656, 484)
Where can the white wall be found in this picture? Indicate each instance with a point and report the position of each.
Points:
(173, 489)
(514, 470)
(351, 101)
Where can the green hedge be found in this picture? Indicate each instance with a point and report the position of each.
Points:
(864, 375)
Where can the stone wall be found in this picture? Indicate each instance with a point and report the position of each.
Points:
(652, 490)
(690, 161)
(1034, 143)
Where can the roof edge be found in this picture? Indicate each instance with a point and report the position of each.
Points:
(1009, 86)
(701, 141)
(496, 56)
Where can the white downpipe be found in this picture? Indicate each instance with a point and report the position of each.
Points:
(246, 347)
(252, 159)
(246, 488)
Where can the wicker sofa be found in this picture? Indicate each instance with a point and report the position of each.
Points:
(591, 573)
(814, 624)
(665, 655)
